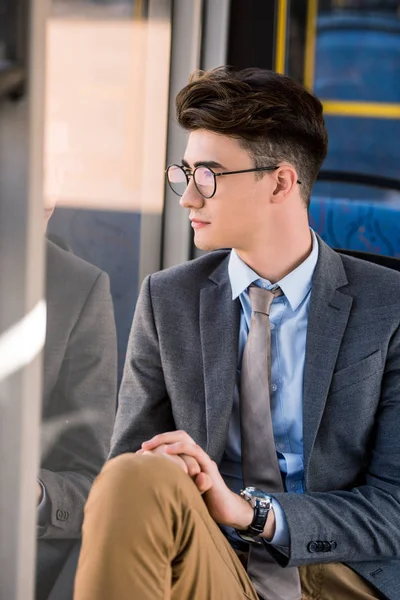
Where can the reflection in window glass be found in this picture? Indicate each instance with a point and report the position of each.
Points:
(98, 111)
(105, 140)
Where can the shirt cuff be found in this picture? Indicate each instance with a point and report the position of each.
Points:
(44, 507)
(281, 536)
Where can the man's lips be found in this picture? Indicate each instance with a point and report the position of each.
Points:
(198, 224)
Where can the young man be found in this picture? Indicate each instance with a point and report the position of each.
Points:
(274, 367)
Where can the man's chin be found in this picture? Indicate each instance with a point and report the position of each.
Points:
(206, 245)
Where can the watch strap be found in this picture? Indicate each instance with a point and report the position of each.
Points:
(256, 527)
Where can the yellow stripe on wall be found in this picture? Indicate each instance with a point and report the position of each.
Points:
(280, 58)
(379, 110)
(309, 57)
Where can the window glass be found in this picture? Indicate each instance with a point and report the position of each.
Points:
(107, 89)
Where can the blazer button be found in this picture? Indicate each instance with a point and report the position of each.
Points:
(313, 547)
(333, 545)
(326, 546)
(62, 515)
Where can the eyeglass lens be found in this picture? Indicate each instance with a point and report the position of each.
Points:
(203, 178)
(177, 179)
(204, 181)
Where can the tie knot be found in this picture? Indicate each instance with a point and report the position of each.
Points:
(261, 299)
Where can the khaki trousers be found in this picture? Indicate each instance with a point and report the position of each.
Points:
(147, 535)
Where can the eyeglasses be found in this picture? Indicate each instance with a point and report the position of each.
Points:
(204, 178)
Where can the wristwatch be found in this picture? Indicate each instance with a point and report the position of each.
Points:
(261, 503)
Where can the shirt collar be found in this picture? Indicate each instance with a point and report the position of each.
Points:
(295, 285)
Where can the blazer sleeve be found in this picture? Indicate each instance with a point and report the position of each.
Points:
(144, 408)
(80, 428)
(364, 522)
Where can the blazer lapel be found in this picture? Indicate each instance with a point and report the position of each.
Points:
(219, 334)
(327, 319)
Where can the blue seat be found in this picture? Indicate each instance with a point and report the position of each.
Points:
(357, 225)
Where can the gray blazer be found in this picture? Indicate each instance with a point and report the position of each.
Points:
(79, 387)
(180, 374)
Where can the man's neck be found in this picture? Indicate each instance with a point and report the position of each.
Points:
(275, 261)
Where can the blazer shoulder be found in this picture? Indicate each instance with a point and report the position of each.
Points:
(70, 280)
(193, 272)
(62, 264)
(372, 277)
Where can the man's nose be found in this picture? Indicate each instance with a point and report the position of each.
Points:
(191, 197)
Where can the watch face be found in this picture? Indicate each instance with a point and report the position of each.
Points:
(252, 494)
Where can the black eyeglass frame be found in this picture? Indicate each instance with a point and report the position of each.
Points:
(182, 168)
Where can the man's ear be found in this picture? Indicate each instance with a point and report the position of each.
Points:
(285, 181)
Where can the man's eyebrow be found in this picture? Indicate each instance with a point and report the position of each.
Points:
(212, 164)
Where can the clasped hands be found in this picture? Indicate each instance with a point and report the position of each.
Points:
(224, 506)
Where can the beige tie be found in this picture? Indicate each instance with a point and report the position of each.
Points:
(259, 459)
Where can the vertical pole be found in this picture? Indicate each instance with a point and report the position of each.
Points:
(22, 317)
(281, 29)
(187, 29)
(309, 56)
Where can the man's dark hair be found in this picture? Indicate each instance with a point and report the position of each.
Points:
(274, 117)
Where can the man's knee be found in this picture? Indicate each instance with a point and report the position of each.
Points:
(136, 489)
(144, 475)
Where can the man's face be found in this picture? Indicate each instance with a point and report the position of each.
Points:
(238, 212)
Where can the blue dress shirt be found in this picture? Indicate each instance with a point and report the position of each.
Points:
(288, 319)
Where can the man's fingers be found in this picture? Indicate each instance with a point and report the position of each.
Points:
(191, 449)
(166, 438)
(203, 482)
(192, 465)
(180, 444)
(161, 452)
